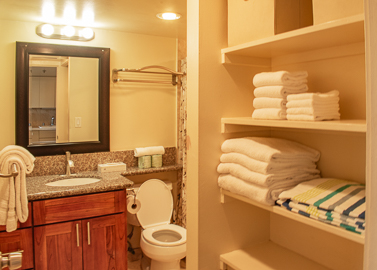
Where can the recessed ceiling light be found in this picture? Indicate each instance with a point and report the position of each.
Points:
(169, 16)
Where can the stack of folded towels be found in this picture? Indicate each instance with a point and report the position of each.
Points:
(272, 89)
(261, 168)
(313, 106)
(334, 201)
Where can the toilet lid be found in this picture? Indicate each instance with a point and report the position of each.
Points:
(156, 203)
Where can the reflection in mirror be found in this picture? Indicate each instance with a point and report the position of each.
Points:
(62, 98)
(58, 87)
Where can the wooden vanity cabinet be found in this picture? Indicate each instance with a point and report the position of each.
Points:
(19, 240)
(82, 232)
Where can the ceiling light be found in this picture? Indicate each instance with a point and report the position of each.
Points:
(67, 32)
(169, 16)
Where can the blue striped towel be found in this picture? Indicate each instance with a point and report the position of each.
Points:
(330, 217)
(336, 201)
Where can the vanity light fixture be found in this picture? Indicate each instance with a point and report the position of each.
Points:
(169, 16)
(66, 32)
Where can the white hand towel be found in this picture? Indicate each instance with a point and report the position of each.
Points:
(260, 103)
(270, 149)
(307, 117)
(266, 180)
(315, 96)
(280, 78)
(269, 114)
(13, 194)
(267, 167)
(263, 195)
(149, 151)
(315, 111)
(279, 91)
(312, 103)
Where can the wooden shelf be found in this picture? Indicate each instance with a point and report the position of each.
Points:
(311, 222)
(341, 32)
(229, 125)
(267, 256)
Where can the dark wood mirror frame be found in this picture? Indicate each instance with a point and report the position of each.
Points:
(23, 50)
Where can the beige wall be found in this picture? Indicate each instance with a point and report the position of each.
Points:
(140, 114)
(214, 91)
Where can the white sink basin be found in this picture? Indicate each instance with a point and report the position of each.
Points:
(73, 182)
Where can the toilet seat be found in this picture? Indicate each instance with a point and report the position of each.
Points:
(156, 204)
(155, 213)
(174, 235)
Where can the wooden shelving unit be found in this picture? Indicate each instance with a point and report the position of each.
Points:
(227, 124)
(311, 222)
(336, 39)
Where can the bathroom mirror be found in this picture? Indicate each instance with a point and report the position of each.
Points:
(62, 98)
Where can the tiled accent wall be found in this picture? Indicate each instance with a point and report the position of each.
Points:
(52, 165)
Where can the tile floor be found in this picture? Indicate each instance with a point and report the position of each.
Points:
(134, 262)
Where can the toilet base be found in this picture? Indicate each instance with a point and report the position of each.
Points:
(157, 265)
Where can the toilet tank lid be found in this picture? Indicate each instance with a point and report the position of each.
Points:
(156, 203)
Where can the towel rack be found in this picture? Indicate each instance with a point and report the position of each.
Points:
(173, 73)
(13, 174)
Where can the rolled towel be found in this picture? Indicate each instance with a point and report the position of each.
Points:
(260, 103)
(267, 180)
(267, 167)
(315, 111)
(270, 149)
(149, 151)
(279, 91)
(312, 103)
(280, 78)
(269, 114)
(307, 117)
(334, 94)
(263, 195)
(13, 194)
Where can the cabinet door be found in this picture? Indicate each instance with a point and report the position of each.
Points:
(47, 88)
(58, 246)
(21, 239)
(34, 92)
(105, 243)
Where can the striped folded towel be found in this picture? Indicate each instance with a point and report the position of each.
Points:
(356, 225)
(331, 194)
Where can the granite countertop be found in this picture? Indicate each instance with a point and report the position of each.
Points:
(37, 190)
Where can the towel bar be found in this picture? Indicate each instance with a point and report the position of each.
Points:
(13, 174)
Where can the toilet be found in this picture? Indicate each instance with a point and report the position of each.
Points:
(162, 242)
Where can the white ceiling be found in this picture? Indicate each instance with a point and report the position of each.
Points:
(134, 16)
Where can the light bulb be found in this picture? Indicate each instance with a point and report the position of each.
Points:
(87, 33)
(47, 29)
(69, 31)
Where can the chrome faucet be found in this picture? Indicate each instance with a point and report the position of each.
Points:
(52, 121)
(69, 163)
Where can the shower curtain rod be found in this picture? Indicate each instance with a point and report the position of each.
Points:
(173, 73)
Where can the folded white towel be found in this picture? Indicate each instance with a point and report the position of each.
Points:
(307, 117)
(315, 111)
(279, 91)
(267, 167)
(315, 96)
(270, 149)
(263, 195)
(270, 114)
(260, 103)
(13, 194)
(266, 180)
(280, 78)
(312, 103)
(149, 151)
